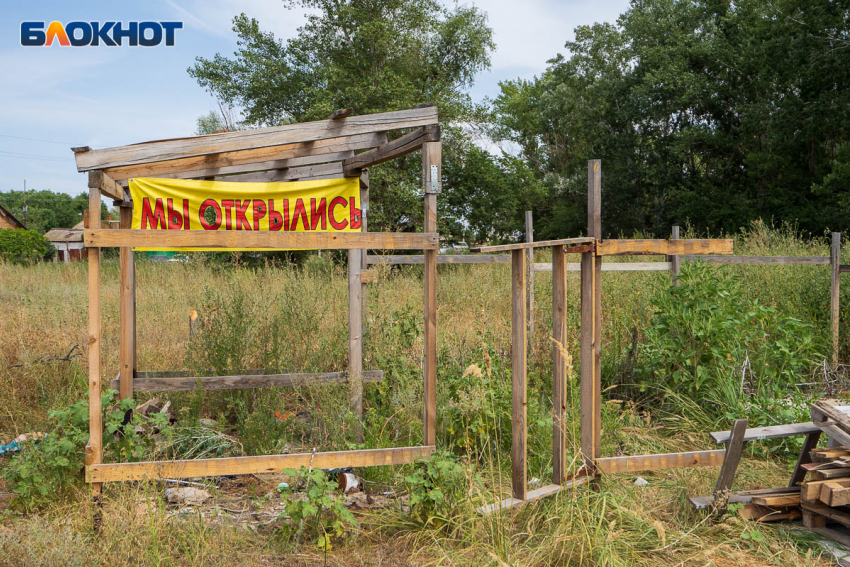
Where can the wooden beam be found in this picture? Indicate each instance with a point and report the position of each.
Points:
(529, 264)
(101, 181)
(143, 383)
(675, 260)
(612, 267)
(126, 312)
(355, 341)
(253, 465)
(834, 295)
(273, 157)
(734, 449)
(664, 247)
(256, 138)
(635, 463)
(94, 448)
(801, 260)
(399, 147)
(441, 259)
(805, 457)
(287, 174)
(559, 366)
(538, 244)
(590, 421)
(769, 432)
(260, 239)
(532, 496)
(432, 158)
(519, 427)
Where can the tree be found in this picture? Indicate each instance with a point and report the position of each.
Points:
(372, 56)
(47, 210)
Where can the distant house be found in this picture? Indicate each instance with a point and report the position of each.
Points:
(8, 220)
(68, 243)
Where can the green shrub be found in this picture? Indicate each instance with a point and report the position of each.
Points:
(436, 488)
(24, 246)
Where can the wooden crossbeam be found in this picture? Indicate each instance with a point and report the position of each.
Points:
(538, 244)
(107, 185)
(288, 174)
(257, 138)
(802, 260)
(637, 463)
(613, 267)
(664, 247)
(398, 259)
(261, 239)
(391, 150)
(244, 381)
(272, 157)
(769, 432)
(253, 465)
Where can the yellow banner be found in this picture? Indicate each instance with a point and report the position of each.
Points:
(326, 205)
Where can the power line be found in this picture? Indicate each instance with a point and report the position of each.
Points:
(33, 156)
(35, 139)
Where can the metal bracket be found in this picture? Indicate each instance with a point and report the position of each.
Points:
(435, 186)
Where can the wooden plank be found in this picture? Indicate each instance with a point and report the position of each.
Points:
(256, 138)
(675, 260)
(431, 156)
(260, 239)
(391, 150)
(538, 244)
(594, 229)
(559, 365)
(101, 181)
(830, 474)
(126, 312)
(302, 173)
(253, 465)
(529, 310)
(519, 344)
(532, 495)
(769, 432)
(829, 513)
(274, 157)
(590, 421)
(810, 490)
(834, 295)
(741, 497)
(94, 448)
(355, 341)
(734, 449)
(664, 247)
(805, 457)
(613, 267)
(777, 500)
(635, 463)
(398, 259)
(245, 381)
(791, 260)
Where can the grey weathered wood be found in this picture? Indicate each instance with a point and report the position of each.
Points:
(805, 457)
(145, 383)
(341, 113)
(834, 296)
(734, 449)
(519, 428)
(529, 237)
(594, 229)
(256, 138)
(532, 495)
(127, 312)
(355, 340)
(432, 153)
(769, 432)
(289, 174)
(538, 244)
(801, 260)
(559, 365)
(612, 267)
(398, 259)
(742, 497)
(674, 260)
(94, 448)
(391, 150)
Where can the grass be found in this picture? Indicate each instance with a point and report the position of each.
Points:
(296, 319)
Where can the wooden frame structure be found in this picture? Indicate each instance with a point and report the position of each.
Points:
(592, 248)
(313, 150)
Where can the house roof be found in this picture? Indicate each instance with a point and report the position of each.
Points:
(4, 212)
(66, 234)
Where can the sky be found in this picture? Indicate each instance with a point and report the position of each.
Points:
(54, 98)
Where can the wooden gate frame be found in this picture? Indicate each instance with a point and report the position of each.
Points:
(592, 248)
(310, 150)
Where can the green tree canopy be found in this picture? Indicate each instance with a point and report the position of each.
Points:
(47, 210)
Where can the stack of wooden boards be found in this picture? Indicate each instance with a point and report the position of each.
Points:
(825, 493)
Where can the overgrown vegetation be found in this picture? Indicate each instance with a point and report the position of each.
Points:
(24, 246)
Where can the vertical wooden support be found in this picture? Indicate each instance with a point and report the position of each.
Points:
(591, 325)
(127, 313)
(675, 259)
(805, 457)
(364, 212)
(355, 341)
(529, 237)
(835, 264)
(734, 449)
(518, 384)
(94, 448)
(431, 181)
(559, 365)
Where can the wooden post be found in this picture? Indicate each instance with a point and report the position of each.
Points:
(364, 212)
(835, 264)
(431, 181)
(94, 448)
(559, 370)
(127, 313)
(734, 448)
(675, 259)
(355, 341)
(805, 457)
(518, 383)
(591, 325)
(529, 237)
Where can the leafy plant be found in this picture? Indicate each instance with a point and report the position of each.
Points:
(435, 488)
(322, 513)
(48, 467)
(24, 246)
